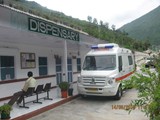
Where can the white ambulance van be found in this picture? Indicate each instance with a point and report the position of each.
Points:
(104, 67)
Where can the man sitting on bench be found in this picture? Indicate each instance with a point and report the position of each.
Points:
(18, 96)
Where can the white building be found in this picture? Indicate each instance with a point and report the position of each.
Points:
(53, 52)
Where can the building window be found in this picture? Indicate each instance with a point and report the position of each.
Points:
(78, 64)
(120, 63)
(43, 66)
(7, 67)
(58, 70)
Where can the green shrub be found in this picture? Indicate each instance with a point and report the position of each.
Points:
(5, 108)
(127, 84)
(64, 86)
(147, 82)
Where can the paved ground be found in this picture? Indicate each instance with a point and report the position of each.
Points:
(94, 108)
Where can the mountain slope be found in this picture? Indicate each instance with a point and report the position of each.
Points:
(146, 27)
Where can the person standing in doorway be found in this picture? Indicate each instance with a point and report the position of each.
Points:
(18, 96)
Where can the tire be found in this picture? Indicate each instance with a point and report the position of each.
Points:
(119, 93)
(83, 96)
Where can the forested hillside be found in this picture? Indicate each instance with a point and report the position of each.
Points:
(94, 28)
(146, 27)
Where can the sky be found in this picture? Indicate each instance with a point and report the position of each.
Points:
(114, 12)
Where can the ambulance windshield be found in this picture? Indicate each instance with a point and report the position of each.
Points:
(101, 62)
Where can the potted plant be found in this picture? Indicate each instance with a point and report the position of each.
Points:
(64, 89)
(5, 111)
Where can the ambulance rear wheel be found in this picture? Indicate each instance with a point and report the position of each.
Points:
(119, 93)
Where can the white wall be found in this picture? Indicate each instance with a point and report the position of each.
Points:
(16, 49)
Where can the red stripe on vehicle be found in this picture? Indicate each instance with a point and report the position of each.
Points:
(124, 76)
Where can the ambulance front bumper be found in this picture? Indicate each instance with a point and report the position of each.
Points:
(97, 91)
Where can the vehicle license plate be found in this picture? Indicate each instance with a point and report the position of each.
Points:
(92, 89)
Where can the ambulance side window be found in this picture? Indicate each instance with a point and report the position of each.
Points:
(130, 60)
(120, 63)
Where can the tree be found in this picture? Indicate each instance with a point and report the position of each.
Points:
(101, 22)
(113, 27)
(106, 24)
(89, 19)
(148, 85)
(95, 21)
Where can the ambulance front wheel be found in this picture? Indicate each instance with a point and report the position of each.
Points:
(83, 96)
(119, 93)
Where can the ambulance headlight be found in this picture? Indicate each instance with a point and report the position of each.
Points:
(111, 81)
(79, 79)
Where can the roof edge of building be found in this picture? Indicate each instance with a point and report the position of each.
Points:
(26, 13)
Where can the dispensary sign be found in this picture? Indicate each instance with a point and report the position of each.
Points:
(48, 28)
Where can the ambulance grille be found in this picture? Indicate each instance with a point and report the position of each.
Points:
(92, 81)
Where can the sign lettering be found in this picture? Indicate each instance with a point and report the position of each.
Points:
(52, 29)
